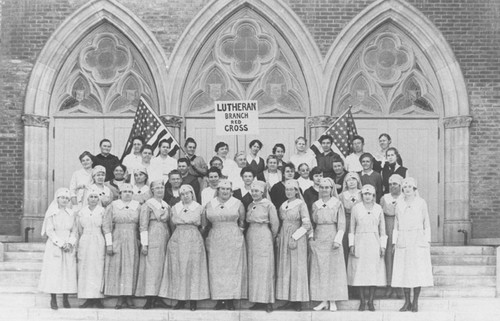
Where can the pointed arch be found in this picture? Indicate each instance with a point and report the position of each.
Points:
(71, 32)
(286, 22)
(423, 33)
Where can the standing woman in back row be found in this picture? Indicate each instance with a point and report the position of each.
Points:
(411, 237)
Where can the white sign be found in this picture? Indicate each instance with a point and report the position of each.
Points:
(237, 117)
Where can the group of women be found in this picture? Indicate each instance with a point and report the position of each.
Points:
(116, 239)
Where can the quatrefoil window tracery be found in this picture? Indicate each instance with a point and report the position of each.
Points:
(106, 59)
(246, 49)
(387, 59)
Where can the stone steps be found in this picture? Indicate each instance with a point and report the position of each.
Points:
(463, 260)
(462, 270)
(245, 315)
(24, 247)
(23, 256)
(462, 250)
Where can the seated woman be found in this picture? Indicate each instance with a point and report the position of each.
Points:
(59, 260)
(411, 240)
(367, 243)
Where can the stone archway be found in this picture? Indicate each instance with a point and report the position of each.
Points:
(454, 116)
(37, 109)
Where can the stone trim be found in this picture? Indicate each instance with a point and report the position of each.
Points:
(457, 122)
(35, 120)
(172, 120)
(320, 121)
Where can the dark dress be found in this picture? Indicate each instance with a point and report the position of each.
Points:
(387, 171)
(325, 163)
(310, 196)
(169, 196)
(109, 162)
(257, 167)
(374, 179)
(339, 180)
(277, 194)
(245, 199)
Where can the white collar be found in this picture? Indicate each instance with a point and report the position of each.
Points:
(180, 206)
(158, 205)
(290, 205)
(229, 203)
(250, 158)
(121, 205)
(331, 203)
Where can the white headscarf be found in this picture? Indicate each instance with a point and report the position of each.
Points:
(54, 207)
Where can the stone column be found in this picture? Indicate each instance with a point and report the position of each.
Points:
(36, 173)
(317, 125)
(174, 124)
(456, 179)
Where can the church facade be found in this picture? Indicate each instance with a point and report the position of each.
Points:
(427, 72)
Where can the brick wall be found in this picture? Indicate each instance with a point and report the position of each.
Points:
(471, 27)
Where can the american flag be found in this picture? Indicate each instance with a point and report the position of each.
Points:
(342, 131)
(149, 126)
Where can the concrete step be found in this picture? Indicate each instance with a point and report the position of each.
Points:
(452, 291)
(464, 270)
(243, 315)
(23, 256)
(10, 290)
(466, 281)
(463, 260)
(19, 278)
(24, 247)
(21, 266)
(462, 250)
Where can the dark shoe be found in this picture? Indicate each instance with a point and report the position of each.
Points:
(180, 305)
(159, 303)
(129, 303)
(287, 306)
(370, 306)
(219, 305)
(230, 305)
(53, 303)
(269, 307)
(119, 306)
(98, 304)
(298, 306)
(66, 302)
(414, 306)
(256, 306)
(405, 307)
(148, 305)
(87, 304)
(361, 306)
(192, 305)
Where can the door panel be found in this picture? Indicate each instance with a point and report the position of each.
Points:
(417, 142)
(203, 132)
(117, 131)
(72, 137)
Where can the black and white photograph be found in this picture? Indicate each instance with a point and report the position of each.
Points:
(248, 160)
